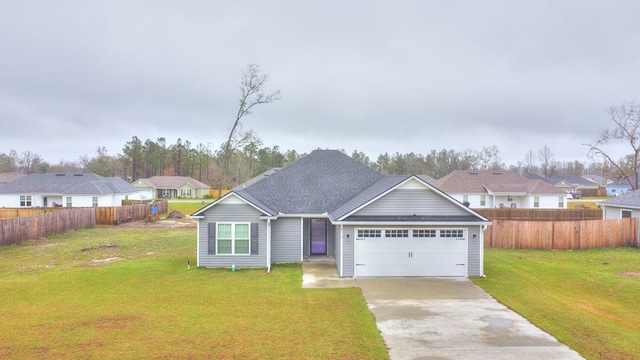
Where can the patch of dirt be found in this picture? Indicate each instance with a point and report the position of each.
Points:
(175, 214)
(103, 247)
(632, 273)
(594, 310)
(169, 223)
(101, 262)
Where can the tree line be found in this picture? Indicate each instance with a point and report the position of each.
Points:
(203, 162)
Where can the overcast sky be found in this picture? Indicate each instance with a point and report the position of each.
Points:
(373, 76)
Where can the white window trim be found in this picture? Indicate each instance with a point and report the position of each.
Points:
(28, 200)
(626, 210)
(233, 238)
(411, 229)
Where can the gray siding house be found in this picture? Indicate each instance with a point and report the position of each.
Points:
(626, 205)
(329, 205)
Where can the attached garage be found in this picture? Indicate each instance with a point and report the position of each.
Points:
(411, 252)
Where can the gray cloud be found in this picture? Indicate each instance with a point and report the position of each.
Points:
(375, 76)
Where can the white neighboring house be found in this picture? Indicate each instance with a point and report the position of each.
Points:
(66, 189)
(483, 189)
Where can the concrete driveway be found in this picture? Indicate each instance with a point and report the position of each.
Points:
(427, 318)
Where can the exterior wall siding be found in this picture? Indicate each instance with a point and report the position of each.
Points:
(348, 248)
(286, 240)
(231, 213)
(616, 212)
(474, 266)
(338, 245)
(412, 201)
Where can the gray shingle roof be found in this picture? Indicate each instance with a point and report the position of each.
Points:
(318, 183)
(630, 198)
(67, 183)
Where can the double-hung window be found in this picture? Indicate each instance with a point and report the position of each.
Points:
(233, 239)
(536, 201)
(25, 200)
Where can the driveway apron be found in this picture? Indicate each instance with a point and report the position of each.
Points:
(436, 318)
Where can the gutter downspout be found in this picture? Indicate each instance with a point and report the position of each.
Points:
(268, 246)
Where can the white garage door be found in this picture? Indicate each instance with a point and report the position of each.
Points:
(411, 252)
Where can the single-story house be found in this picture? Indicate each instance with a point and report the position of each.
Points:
(572, 183)
(626, 205)
(617, 188)
(328, 205)
(157, 187)
(483, 189)
(66, 189)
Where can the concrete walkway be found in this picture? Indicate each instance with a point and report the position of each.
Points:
(432, 318)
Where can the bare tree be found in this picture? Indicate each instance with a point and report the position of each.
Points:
(530, 162)
(252, 89)
(545, 156)
(626, 118)
(28, 161)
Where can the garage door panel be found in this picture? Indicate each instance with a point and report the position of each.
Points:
(411, 257)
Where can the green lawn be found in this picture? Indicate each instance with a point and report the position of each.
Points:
(588, 299)
(61, 300)
(187, 207)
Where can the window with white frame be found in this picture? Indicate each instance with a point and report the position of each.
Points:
(509, 198)
(536, 201)
(26, 200)
(396, 233)
(561, 202)
(465, 198)
(68, 201)
(483, 200)
(452, 233)
(186, 193)
(369, 233)
(94, 201)
(233, 239)
(424, 233)
(625, 214)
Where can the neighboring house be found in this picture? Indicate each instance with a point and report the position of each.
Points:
(327, 204)
(617, 188)
(624, 206)
(66, 189)
(500, 189)
(157, 187)
(571, 183)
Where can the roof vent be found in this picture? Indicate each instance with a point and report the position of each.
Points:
(77, 174)
(59, 174)
(497, 173)
(473, 172)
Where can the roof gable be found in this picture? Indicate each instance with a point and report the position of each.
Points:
(389, 184)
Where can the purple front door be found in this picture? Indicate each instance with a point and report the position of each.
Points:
(318, 237)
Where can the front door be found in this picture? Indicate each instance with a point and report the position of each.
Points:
(318, 237)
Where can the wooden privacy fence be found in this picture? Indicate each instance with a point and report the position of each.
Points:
(22, 212)
(113, 215)
(26, 224)
(541, 214)
(18, 229)
(561, 235)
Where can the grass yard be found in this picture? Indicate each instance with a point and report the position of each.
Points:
(588, 299)
(187, 207)
(126, 293)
